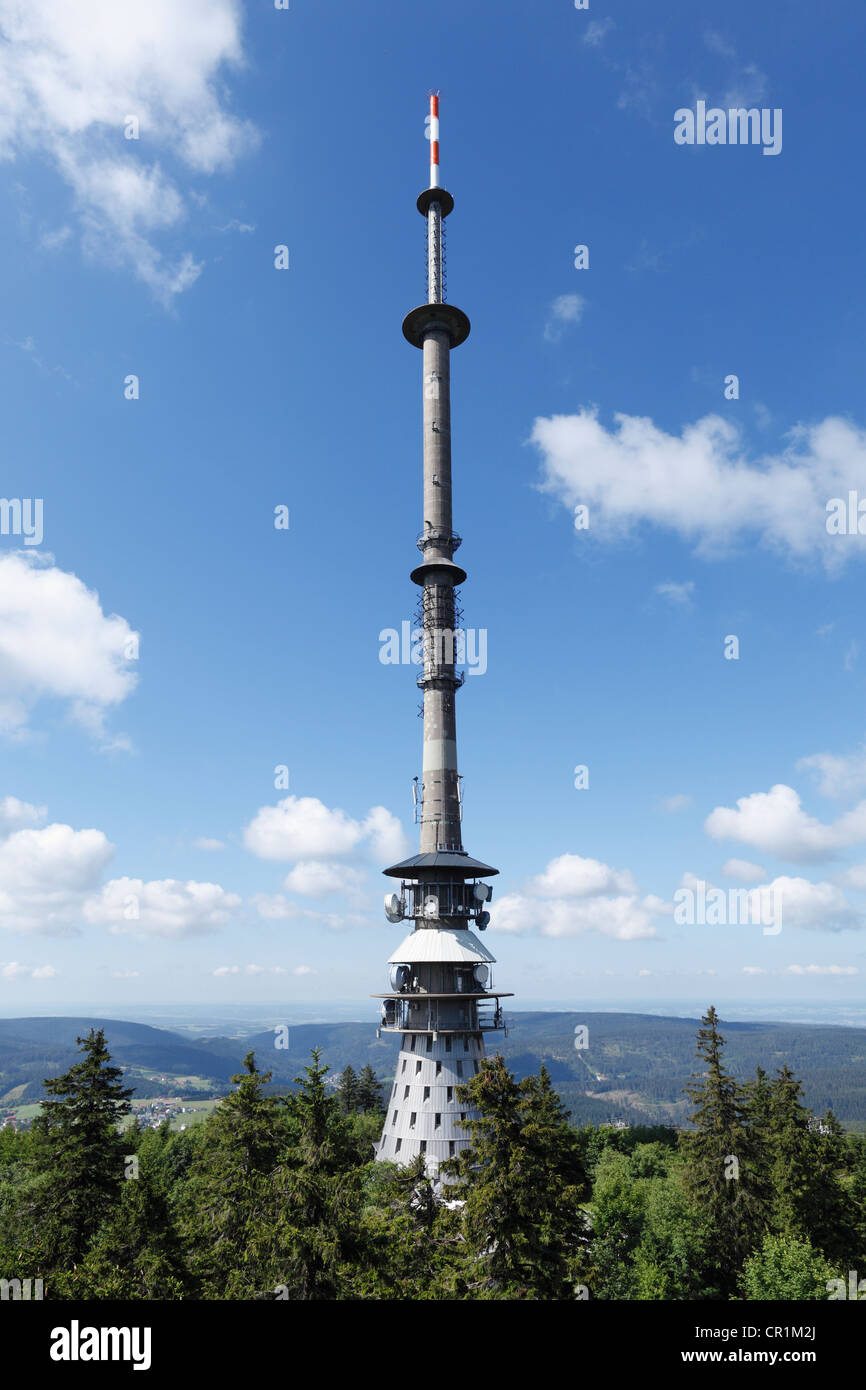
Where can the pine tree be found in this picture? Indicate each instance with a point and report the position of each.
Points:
(347, 1090)
(522, 1180)
(722, 1171)
(79, 1152)
(321, 1188)
(138, 1253)
(231, 1208)
(370, 1091)
(806, 1163)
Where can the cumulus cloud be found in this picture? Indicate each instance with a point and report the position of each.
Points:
(71, 76)
(45, 875)
(838, 776)
(161, 907)
(753, 970)
(743, 871)
(14, 970)
(275, 907)
(303, 828)
(574, 896)
(776, 823)
(57, 643)
(317, 878)
(623, 918)
(566, 309)
(812, 906)
(571, 876)
(16, 815)
(701, 484)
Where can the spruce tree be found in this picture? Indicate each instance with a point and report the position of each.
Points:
(138, 1253)
(321, 1193)
(347, 1090)
(369, 1091)
(79, 1152)
(230, 1204)
(522, 1181)
(807, 1158)
(722, 1171)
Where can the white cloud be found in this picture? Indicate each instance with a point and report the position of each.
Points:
(717, 44)
(303, 828)
(71, 76)
(317, 878)
(597, 30)
(573, 896)
(753, 970)
(701, 484)
(304, 970)
(566, 309)
(205, 843)
(125, 974)
(570, 876)
(13, 970)
(838, 776)
(672, 804)
(17, 815)
(164, 907)
(56, 643)
(275, 907)
(822, 970)
(776, 823)
(623, 918)
(386, 841)
(743, 871)
(677, 593)
(45, 875)
(813, 906)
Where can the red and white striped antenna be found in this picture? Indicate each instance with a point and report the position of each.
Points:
(433, 137)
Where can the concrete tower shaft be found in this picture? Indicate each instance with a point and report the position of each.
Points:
(441, 1002)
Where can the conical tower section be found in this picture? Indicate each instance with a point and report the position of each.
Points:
(442, 1000)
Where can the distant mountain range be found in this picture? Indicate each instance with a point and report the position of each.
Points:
(633, 1069)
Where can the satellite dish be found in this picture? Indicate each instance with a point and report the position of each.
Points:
(400, 976)
(481, 974)
(482, 921)
(482, 892)
(393, 907)
(431, 907)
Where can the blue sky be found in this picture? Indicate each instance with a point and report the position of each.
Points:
(148, 854)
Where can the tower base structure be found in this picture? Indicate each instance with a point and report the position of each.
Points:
(442, 1007)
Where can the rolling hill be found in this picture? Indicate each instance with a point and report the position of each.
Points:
(634, 1067)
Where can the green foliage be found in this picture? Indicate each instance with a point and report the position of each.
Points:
(723, 1167)
(77, 1155)
(522, 1181)
(786, 1268)
(278, 1196)
(230, 1211)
